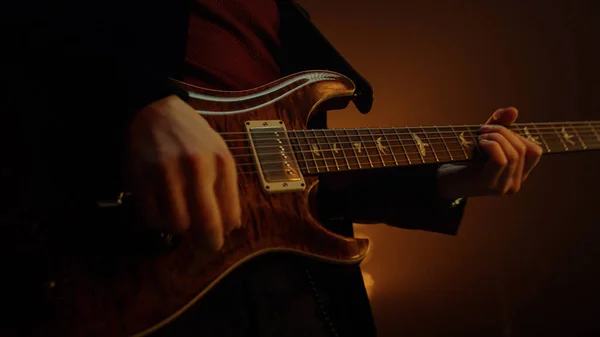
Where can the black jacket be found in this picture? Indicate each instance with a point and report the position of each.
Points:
(76, 71)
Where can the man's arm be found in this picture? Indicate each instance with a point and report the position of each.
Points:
(74, 75)
(400, 197)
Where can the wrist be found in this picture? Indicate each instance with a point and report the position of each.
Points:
(450, 184)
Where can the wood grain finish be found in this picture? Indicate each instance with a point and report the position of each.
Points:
(134, 294)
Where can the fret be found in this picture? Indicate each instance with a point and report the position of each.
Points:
(305, 162)
(420, 146)
(467, 141)
(389, 146)
(356, 147)
(541, 135)
(322, 138)
(399, 136)
(556, 143)
(586, 134)
(382, 150)
(443, 138)
(317, 151)
(581, 142)
(460, 141)
(396, 147)
(426, 135)
(594, 131)
(370, 147)
(310, 149)
(409, 143)
(475, 140)
(524, 132)
(340, 146)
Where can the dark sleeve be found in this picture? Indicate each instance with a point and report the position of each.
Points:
(106, 54)
(400, 197)
(75, 72)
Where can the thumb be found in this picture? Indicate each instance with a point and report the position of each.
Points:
(504, 116)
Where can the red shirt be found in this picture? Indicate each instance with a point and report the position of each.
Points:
(230, 44)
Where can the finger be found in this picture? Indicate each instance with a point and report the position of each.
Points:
(532, 157)
(172, 195)
(227, 193)
(147, 204)
(504, 117)
(145, 197)
(502, 160)
(521, 149)
(203, 205)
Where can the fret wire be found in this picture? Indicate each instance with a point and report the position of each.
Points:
(343, 150)
(560, 138)
(580, 124)
(353, 148)
(412, 136)
(372, 147)
(318, 150)
(321, 166)
(475, 141)
(301, 152)
(594, 131)
(553, 132)
(578, 136)
(444, 141)
(376, 147)
(542, 137)
(328, 148)
(389, 146)
(364, 147)
(310, 149)
(431, 145)
(459, 142)
(402, 144)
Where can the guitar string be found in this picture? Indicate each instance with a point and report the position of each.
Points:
(400, 158)
(472, 128)
(442, 155)
(311, 134)
(445, 141)
(384, 138)
(442, 152)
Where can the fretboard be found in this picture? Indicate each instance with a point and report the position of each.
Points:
(320, 151)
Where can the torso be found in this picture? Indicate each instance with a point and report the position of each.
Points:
(231, 44)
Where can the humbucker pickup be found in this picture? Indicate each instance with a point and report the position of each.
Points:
(274, 157)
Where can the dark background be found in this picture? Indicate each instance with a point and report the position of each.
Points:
(525, 265)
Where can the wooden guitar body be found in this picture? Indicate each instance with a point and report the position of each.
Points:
(134, 294)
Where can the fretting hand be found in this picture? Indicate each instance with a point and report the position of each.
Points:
(510, 159)
(183, 175)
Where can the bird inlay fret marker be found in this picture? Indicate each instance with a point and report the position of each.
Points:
(380, 146)
(420, 144)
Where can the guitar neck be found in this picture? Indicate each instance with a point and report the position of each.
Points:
(330, 150)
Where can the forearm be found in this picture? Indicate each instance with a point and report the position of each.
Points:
(406, 198)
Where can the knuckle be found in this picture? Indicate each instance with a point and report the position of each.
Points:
(500, 161)
(512, 156)
(521, 149)
(536, 151)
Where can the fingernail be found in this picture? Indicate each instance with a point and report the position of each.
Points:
(484, 136)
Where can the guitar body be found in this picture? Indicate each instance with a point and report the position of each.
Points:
(136, 294)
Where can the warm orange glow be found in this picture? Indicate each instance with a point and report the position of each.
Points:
(369, 283)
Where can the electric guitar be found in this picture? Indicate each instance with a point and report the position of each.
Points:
(279, 158)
